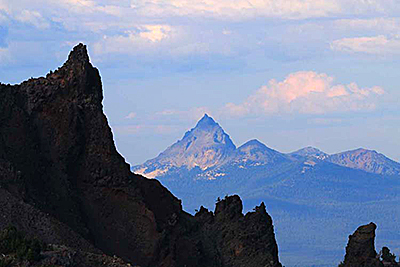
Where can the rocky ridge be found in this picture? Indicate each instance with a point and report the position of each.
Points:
(61, 173)
(367, 160)
(360, 159)
(209, 149)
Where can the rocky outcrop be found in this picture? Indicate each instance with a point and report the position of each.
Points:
(236, 239)
(360, 250)
(59, 165)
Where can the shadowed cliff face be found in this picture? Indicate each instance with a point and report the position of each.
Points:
(360, 250)
(242, 240)
(58, 157)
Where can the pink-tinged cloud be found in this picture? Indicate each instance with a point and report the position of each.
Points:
(306, 92)
(131, 116)
(140, 38)
(379, 45)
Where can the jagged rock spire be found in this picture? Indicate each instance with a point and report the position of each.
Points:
(79, 54)
(360, 250)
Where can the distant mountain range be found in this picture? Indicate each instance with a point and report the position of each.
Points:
(207, 146)
(311, 195)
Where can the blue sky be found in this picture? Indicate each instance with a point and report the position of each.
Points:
(291, 73)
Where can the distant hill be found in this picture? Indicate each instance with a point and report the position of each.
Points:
(312, 195)
(366, 160)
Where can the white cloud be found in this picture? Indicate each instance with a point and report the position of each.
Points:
(239, 9)
(23, 12)
(131, 116)
(246, 9)
(141, 37)
(32, 17)
(306, 92)
(388, 25)
(379, 45)
(4, 6)
(95, 15)
(155, 33)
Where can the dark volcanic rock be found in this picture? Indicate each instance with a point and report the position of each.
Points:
(360, 250)
(236, 239)
(61, 256)
(59, 170)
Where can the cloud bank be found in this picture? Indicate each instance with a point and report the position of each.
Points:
(306, 92)
(379, 45)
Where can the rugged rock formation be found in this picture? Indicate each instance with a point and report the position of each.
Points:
(241, 240)
(60, 171)
(360, 250)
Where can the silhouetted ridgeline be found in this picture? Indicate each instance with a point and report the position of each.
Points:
(63, 181)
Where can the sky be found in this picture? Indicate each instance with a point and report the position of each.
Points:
(290, 73)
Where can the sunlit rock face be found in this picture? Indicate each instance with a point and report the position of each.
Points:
(204, 146)
(208, 148)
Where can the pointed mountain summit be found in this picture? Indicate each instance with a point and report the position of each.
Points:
(78, 54)
(204, 146)
(366, 160)
(206, 122)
